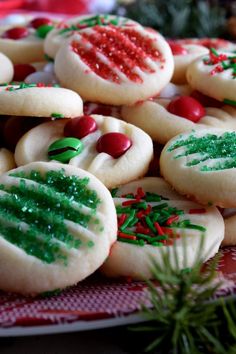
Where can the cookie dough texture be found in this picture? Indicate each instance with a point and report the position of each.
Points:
(137, 261)
(139, 66)
(200, 164)
(25, 271)
(39, 101)
(33, 146)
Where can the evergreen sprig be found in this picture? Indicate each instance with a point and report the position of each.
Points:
(178, 18)
(184, 317)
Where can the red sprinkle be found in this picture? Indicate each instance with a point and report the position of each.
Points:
(158, 228)
(130, 202)
(197, 211)
(172, 219)
(121, 219)
(140, 192)
(129, 237)
(16, 33)
(140, 229)
(177, 49)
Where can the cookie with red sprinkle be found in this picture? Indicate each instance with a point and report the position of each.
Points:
(163, 118)
(67, 28)
(115, 65)
(214, 75)
(153, 219)
(112, 150)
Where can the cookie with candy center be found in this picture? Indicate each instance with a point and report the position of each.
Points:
(202, 165)
(112, 150)
(154, 220)
(162, 118)
(115, 65)
(57, 224)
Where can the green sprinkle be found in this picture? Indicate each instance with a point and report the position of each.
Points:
(90, 244)
(214, 52)
(231, 102)
(114, 192)
(57, 115)
(134, 242)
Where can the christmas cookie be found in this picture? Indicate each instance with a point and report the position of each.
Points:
(162, 118)
(202, 165)
(112, 150)
(57, 224)
(214, 75)
(216, 43)
(114, 65)
(184, 55)
(152, 220)
(6, 69)
(39, 101)
(7, 161)
(65, 29)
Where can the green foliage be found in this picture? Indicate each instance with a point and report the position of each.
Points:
(184, 319)
(178, 18)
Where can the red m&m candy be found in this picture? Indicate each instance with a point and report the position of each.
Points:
(40, 21)
(80, 127)
(177, 49)
(187, 107)
(114, 144)
(21, 71)
(16, 33)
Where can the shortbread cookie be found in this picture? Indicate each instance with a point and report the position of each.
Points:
(162, 119)
(115, 65)
(39, 101)
(7, 161)
(67, 28)
(57, 224)
(214, 75)
(216, 43)
(184, 55)
(152, 220)
(6, 69)
(112, 150)
(202, 165)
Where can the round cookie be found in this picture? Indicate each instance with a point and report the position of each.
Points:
(7, 161)
(213, 75)
(65, 29)
(45, 247)
(39, 101)
(216, 43)
(102, 151)
(6, 69)
(162, 123)
(184, 55)
(202, 165)
(114, 65)
(152, 220)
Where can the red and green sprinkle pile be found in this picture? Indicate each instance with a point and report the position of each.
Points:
(222, 61)
(147, 218)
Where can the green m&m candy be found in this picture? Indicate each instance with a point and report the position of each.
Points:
(43, 30)
(64, 149)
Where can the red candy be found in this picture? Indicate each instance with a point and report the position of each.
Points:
(21, 71)
(114, 144)
(40, 21)
(80, 127)
(177, 49)
(187, 107)
(16, 33)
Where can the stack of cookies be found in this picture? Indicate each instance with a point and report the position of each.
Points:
(86, 108)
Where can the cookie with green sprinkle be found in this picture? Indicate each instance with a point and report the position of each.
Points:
(39, 100)
(152, 220)
(214, 75)
(202, 165)
(57, 224)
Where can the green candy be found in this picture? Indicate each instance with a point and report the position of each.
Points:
(64, 149)
(43, 30)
